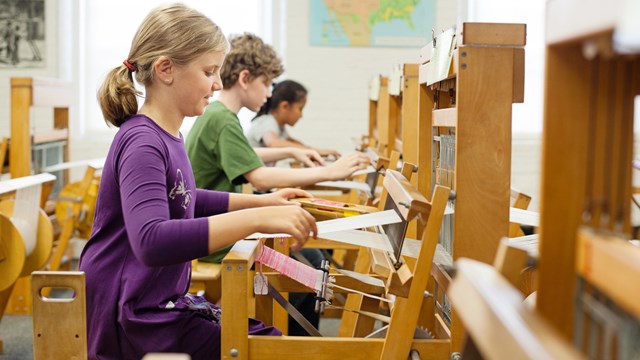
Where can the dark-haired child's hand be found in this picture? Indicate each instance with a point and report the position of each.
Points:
(347, 165)
(309, 157)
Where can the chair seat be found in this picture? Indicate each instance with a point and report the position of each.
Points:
(205, 271)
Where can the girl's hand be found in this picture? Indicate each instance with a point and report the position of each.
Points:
(283, 196)
(292, 220)
(309, 157)
(347, 165)
(329, 153)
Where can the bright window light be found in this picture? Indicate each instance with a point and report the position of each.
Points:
(108, 28)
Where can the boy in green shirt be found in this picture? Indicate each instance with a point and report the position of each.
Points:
(220, 154)
(222, 158)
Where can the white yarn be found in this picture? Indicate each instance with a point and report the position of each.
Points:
(25, 214)
(27, 204)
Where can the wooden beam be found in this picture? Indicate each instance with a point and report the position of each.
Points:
(493, 34)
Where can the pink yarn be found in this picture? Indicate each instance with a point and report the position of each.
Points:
(289, 267)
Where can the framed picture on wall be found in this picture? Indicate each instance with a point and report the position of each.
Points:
(22, 34)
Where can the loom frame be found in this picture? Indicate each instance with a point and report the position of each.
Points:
(237, 344)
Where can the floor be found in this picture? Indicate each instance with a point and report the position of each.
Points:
(16, 332)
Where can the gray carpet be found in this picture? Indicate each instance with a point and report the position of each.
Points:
(16, 332)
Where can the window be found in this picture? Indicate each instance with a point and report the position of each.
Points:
(107, 28)
(527, 117)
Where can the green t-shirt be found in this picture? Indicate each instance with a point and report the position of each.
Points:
(220, 155)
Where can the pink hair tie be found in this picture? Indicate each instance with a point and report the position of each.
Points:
(129, 65)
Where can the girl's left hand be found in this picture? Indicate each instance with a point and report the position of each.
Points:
(283, 196)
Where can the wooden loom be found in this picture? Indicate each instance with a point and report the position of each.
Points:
(592, 78)
(384, 112)
(15, 261)
(356, 258)
(349, 256)
(501, 324)
(370, 139)
(459, 115)
(405, 121)
(206, 277)
(588, 267)
(25, 94)
(236, 343)
(356, 204)
(359, 189)
(362, 195)
(397, 118)
(387, 116)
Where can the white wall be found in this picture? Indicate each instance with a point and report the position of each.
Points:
(337, 77)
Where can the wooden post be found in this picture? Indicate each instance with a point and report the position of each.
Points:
(20, 148)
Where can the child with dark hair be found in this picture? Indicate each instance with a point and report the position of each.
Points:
(284, 108)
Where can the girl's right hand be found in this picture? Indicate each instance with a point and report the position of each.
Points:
(291, 219)
(329, 153)
(347, 165)
(309, 157)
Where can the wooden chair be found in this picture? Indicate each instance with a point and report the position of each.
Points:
(59, 325)
(74, 210)
(398, 342)
(205, 278)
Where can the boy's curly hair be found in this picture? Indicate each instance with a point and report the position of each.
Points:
(249, 52)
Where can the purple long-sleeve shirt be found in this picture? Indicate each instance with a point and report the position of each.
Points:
(149, 224)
